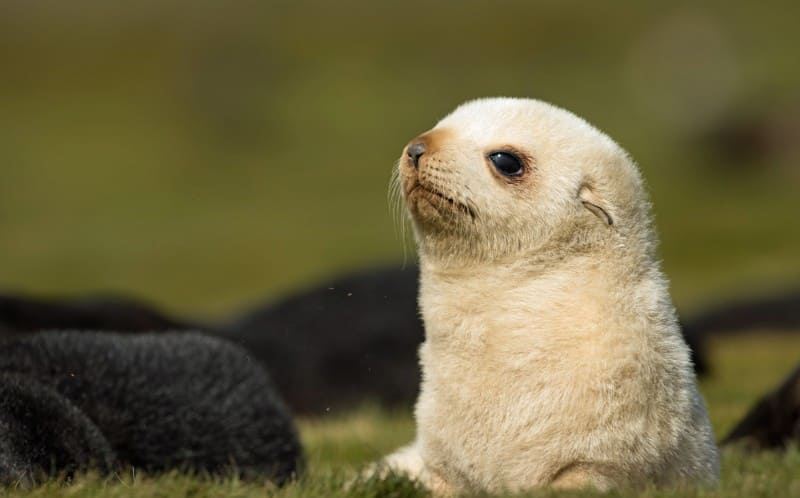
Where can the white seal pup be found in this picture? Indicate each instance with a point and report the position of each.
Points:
(552, 354)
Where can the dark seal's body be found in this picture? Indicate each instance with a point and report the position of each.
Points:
(166, 401)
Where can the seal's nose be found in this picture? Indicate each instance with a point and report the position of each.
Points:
(414, 152)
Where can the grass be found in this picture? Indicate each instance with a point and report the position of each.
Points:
(337, 446)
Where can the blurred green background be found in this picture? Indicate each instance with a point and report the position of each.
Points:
(208, 155)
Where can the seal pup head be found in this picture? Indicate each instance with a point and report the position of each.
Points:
(502, 177)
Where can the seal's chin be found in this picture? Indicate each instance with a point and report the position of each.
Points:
(429, 205)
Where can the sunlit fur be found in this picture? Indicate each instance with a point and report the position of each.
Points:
(552, 352)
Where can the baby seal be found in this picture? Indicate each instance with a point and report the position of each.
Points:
(160, 402)
(552, 354)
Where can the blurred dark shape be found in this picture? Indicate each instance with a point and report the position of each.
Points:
(20, 314)
(163, 401)
(342, 343)
(778, 312)
(774, 312)
(774, 421)
(768, 132)
(698, 350)
(45, 434)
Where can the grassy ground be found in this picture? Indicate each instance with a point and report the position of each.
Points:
(746, 367)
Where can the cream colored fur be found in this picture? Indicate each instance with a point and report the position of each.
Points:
(552, 352)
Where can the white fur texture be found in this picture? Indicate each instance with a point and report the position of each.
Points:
(552, 354)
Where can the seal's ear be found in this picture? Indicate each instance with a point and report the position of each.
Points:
(595, 204)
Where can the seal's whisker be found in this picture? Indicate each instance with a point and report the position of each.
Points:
(397, 208)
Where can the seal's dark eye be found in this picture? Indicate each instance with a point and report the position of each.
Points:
(507, 164)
